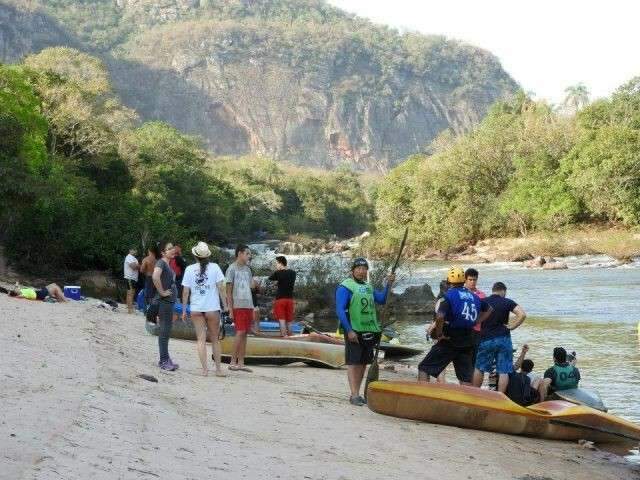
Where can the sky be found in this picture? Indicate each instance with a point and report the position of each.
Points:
(544, 45)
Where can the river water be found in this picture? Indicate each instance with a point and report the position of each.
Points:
(589, 309)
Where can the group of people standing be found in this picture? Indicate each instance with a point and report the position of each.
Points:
(473, 331)
(470, 330)
(208, 292)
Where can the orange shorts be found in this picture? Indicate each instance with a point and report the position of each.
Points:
(242, 319)
(283, 309)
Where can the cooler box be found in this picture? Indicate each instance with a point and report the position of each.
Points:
(72, 292)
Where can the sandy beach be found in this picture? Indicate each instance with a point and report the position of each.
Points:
(73, 407)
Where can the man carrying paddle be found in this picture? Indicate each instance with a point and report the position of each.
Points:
(460, 310)
(355, 307)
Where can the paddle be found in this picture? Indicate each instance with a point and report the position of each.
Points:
(374, 369)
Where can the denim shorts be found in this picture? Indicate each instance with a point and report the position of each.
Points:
(498, 352)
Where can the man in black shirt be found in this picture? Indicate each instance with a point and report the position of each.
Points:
(495, 348)
(284, 306)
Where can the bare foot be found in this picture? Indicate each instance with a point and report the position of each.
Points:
(234, 367)
(220, 373)
(205, 373)
(244, 369)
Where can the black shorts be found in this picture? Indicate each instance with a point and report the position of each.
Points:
(130, 284)
(475, 335)
(360, 353)
(442, 354)
(42, 293)
(535, 397)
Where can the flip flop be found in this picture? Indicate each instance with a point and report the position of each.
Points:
(245, 369)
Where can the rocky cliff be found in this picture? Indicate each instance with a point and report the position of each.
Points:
(290, 79)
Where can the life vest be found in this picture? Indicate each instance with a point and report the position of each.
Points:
(465, 308)
(362, 308)
(565, 377)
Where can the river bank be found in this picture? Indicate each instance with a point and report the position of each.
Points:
(74, 408)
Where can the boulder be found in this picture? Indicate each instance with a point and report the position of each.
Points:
(290, 248)
(555, 266)
(521, 257)
(417, 300)
(98, 284)
(535, 263)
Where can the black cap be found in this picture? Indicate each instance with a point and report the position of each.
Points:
(359, 262)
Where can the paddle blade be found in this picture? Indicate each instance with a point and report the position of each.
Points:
(372, 375)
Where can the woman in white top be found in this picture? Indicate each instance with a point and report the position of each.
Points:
(204, 283)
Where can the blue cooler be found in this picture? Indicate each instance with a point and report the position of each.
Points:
(72, 292)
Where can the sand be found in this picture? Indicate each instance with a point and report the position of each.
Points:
(73, 407)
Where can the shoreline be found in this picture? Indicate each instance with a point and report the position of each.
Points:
(75, 408)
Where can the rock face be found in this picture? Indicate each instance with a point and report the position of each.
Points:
(312, 85)
(23, 31)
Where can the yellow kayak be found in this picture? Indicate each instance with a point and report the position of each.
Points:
(281, 351)
(479, 409)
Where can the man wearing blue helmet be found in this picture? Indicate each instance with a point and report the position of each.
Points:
(355, 307)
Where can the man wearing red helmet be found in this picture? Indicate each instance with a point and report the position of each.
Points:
(355, 307)
(457, 314)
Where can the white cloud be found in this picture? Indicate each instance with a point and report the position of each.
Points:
(545, 45)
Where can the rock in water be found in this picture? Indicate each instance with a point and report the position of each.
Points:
(535, 263)
(555, 266)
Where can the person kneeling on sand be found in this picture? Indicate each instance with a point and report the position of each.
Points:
(356, 309)
(52, 290)
(524, 388)
(460, 310)
(203, 286)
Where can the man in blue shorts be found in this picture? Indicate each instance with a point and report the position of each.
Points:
(457, 314)
(495, 348)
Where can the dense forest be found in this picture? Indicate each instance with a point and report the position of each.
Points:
(526, 168)
(82, 179)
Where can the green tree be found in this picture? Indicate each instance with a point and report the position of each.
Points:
(576, 97)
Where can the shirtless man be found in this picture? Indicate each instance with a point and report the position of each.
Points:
(146, 268)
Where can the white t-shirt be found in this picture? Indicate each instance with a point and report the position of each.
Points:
(204, 290)
(130, 273)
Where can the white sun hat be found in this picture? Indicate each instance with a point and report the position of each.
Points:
(201, 250)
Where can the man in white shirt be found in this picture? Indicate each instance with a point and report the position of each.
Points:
(131, 267)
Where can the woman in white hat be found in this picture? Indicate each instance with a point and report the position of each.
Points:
(204, 283)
